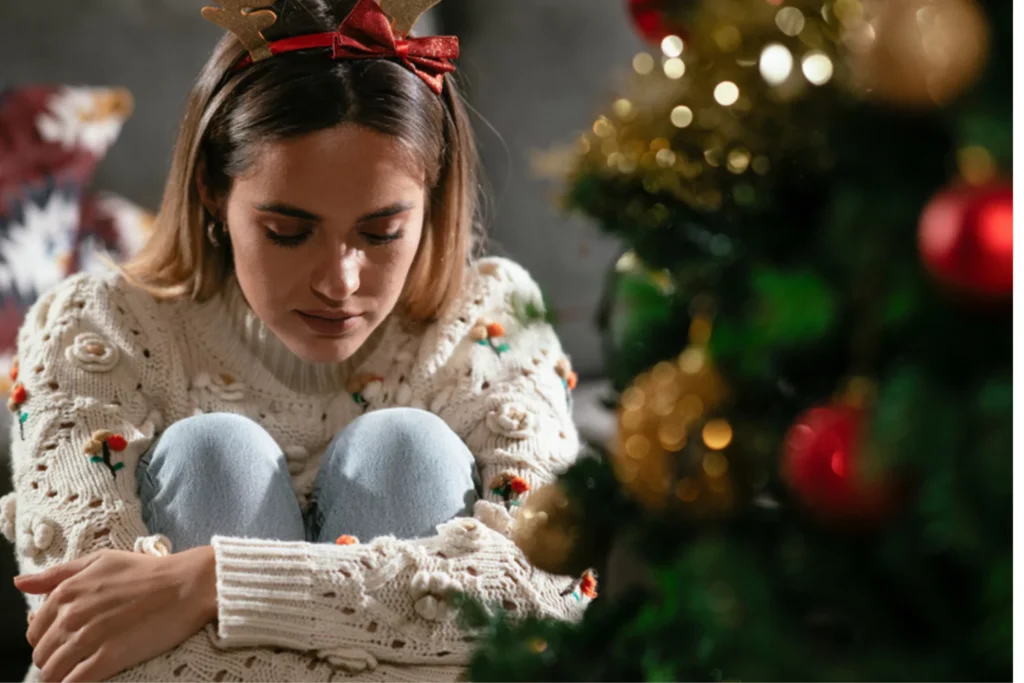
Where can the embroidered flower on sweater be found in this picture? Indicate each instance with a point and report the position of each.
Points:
(101, 447)
(430, 592)
(297, 458)
(8, 510)
(92, 353)
(569, 378)
(463, 534)
(364, 387)
(18, 397)
(222, 386)
(156, 546)
(583, 587)
(35, 534)
(509, 487)
(511, 420)
(495, 517)
(489, 334)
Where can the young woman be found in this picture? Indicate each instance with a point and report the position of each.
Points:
(305, 354)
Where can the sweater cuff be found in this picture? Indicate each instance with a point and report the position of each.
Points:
(264, 592)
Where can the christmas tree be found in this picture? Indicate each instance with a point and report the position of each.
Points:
(811, 336)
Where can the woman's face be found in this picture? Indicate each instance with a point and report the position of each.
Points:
(324, 230)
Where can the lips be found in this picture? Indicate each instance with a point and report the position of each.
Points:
(330, 323)
(330, 316)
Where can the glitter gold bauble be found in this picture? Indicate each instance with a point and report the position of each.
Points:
(550, 532)
(920, 53)
(669, 449)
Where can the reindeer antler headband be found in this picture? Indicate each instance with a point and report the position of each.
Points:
(366, 33)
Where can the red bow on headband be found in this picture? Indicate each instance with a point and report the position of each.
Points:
(366, 33)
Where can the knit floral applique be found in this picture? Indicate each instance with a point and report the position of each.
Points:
(345, 539)
(222, 386)
(100, 447)
(364, 387)
(488, 334)
(509, 487)
(583, 587)
(569, 378)
(18, 397)
(92, 353)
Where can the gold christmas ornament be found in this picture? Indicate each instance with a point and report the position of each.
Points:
(247, 20)
(919, 53)
(550, 532)
(405, 13)
(672, 452)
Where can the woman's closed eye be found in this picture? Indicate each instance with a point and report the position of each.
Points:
(378, 239)
(383, 230)
(287, 238)
(375, 233)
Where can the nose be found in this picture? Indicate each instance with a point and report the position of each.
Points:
(336, 276)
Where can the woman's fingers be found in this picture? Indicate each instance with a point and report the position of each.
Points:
(95, 667)
(71, 650)
(59, 594)
(45, 616)
(46, 581)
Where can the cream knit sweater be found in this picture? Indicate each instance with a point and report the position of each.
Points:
(97, 354)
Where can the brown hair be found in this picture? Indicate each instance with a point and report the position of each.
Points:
(230, 113)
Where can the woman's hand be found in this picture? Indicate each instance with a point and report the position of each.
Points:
(108, 611)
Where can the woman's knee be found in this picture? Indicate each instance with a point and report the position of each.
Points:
(215, 441)
(399, 471)
(218, 474)
(411, 438)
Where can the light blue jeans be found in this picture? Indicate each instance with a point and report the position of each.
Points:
(398, 472)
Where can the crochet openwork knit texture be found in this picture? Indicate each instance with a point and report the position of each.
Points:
(104, 368)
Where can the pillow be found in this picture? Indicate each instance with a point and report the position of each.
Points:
(51, 224)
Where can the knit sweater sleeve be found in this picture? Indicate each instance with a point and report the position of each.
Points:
(81, 421)
(385, 601)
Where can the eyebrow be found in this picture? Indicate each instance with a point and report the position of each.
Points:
(296, 212)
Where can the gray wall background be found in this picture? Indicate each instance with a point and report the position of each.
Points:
(538, 70)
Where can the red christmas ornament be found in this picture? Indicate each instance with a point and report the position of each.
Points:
(822, 463)
(966, 239)
(652, 21)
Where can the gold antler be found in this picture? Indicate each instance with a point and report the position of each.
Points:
(246, 21)
(405, 13)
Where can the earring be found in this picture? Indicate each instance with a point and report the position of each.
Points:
(211, 233)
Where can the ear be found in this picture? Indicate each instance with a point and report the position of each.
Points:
(212, 203)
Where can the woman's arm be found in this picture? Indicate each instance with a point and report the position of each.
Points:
(92, 356)
(385, 601)
(81, 422)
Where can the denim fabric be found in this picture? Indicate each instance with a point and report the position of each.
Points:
(398, 472)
